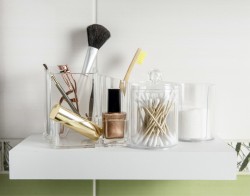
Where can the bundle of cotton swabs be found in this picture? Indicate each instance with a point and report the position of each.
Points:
(154, 130)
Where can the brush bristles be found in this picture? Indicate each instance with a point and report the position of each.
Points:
(141, 57)
(97, 35)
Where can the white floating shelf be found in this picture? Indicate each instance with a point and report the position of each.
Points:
(33, 158)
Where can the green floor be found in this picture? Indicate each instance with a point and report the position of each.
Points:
(240, 187)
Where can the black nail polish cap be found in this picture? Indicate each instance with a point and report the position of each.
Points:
(114, 100)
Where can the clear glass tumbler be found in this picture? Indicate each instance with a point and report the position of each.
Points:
(196, 114)
(80, 101)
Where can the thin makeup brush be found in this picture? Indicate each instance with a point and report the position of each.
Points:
(48, 91)
(64, 94)
(137, 59)
(97, 36)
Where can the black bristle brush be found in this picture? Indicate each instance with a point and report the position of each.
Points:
(97, 36)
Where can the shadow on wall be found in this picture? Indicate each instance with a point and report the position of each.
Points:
(78, 44)
(78, 40)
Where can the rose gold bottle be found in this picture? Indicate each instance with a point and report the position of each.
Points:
(114, 121)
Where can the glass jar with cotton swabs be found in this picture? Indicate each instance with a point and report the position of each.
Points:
(154, 113)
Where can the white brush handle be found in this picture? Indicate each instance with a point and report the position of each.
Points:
(89, 59)
(83, 85)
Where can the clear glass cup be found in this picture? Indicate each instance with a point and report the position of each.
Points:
(81, 92)
(196, 114)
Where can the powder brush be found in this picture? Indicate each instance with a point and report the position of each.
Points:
(97, 36)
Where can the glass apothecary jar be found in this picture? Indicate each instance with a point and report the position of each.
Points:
(154, 113)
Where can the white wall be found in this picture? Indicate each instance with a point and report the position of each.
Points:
(194, 41)
(33, 33)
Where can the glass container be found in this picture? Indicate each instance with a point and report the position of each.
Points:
(196, 115)
(80, 104)
(154, 113)
(78, 120)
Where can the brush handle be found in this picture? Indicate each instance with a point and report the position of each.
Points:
(131, 66)
(87, 69)
(48, 100)
(89, 59)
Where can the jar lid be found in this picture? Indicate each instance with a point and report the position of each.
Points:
(155, 82)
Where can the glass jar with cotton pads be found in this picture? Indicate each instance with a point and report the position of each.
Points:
(196, 114)
(154, 113)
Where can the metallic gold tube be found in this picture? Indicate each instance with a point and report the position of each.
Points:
(76, 122)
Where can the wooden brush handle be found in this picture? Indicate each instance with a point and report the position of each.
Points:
(133, 62)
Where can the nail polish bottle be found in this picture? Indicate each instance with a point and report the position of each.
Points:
(114, 121)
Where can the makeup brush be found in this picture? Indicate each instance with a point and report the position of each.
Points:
(48, 95)
(137, 59)
(97, 36)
